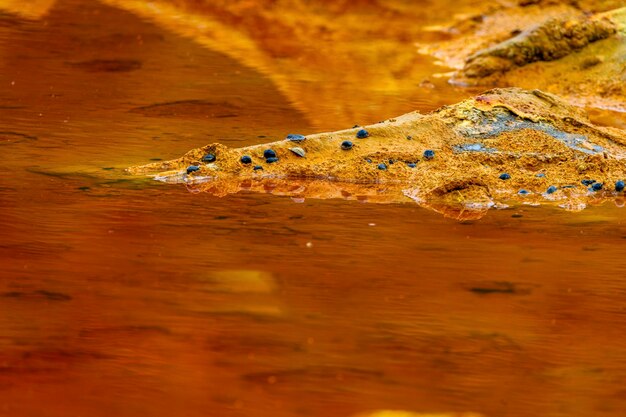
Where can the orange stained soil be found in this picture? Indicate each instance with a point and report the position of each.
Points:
(127, 297)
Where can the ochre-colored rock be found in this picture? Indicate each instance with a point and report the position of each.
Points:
(549, 41)
(565, 51)
(535, 137)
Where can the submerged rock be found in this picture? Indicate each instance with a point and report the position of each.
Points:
(514, 131)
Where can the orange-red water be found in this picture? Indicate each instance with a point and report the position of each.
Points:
(121, 297)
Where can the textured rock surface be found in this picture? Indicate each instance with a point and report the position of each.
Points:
(562, 50)
(535, 137)
(549, 41)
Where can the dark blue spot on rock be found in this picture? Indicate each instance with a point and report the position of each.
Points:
(369, 161)
(551, 189)
(258, 168)
(411, 164)
(271, 160)
(355, 126)
(429, 154)
(523, 192)
(246, 159)
(346, 145)
(192, 168)
(391, 161)
(619, 186)
(208, 158)
(382, 167)
(540, 175)
(587, 182)
(295, 137)
(505, 176)
(269, 153)
(597, 186)
(569, 186)
(362, 134)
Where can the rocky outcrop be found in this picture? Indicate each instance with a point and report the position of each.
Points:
(549, 41)
(565, 51)
(503, 147)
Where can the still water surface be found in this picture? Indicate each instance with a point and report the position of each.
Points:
(126, 297)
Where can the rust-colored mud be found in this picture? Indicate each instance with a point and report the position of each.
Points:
(133, 298)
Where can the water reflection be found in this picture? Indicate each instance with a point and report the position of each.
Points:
(399, 413)
(33, 9)
(133, 298)
(356, 60)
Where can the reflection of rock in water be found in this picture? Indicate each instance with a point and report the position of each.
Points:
(559, 49)
(506, 146)
(7, 138)
(190, 108)
(402, 413)
(239, 281)
(107, 65)
(315, 52)
(31, 9)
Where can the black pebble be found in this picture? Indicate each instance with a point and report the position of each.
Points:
(551, 189)
(271, 160)
(258, 167)
(429, 154)
(269, 153)
(382, 167)
(523, 192)
(346, 145)
(208, 158)
(192, 168)
(411, 164)
(409, 137)
(362, 134)
(597, 186)
(391, 161)
(505, 176)
(295, 137)
(619, 186)
(587, 182)
(246, 159)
